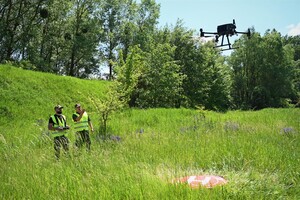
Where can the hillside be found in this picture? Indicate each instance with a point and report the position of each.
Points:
(257, 152)
(32, 95)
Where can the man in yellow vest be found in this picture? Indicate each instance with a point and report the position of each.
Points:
(82, 123)
(58, 127)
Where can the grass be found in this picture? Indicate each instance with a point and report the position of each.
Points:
(257, 152)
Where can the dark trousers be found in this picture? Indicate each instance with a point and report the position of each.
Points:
(83, 137)
(61, 141)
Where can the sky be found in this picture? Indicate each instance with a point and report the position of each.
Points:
(283, 15)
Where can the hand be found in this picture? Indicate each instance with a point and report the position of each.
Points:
(83, 110)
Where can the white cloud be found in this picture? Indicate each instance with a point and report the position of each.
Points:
(293, 29)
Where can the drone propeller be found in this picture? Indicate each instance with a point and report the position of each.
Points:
(248, 33)
(201, 32)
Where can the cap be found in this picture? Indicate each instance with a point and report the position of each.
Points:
(58, 106)
(77, 105)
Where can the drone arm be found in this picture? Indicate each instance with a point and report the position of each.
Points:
(241, 32)
(248, 33)
(211, 33)
(202, 33)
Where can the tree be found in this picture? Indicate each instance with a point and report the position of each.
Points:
(245, 63)
(48, 47)
(83, 43)
(159, 81)
(294, 43)
(17, 22)
(129, 72)
(206, 81)
(111, 16)
(217, 81)
(146, 20)
(261, 72)
(125, 23)
(185, 56)
(111, 103)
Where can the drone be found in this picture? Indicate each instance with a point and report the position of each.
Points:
(222, 31)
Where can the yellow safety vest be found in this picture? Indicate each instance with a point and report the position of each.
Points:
(58, 123)
(83, 123)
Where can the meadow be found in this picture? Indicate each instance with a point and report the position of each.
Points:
(257, 152)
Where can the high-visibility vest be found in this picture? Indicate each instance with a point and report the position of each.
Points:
(83, 123)
(58, 123)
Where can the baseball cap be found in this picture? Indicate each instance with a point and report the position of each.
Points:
(58, 106)
(77, 105)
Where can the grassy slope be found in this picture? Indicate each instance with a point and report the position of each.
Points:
(27, 96)
(249, 149)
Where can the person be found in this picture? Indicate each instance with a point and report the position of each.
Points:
(82, 123)
(58, 127)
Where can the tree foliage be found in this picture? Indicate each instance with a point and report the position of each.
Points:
(154, 67)
(262, 72)
(206, 77)
(294, 43)
(153, 78)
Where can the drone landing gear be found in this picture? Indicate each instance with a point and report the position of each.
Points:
(222, 43)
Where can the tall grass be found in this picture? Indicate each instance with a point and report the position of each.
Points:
(259, 160)
(257, 152)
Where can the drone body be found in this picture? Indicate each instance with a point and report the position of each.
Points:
(223, 30)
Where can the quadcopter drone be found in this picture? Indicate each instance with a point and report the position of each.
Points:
(224, 30)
